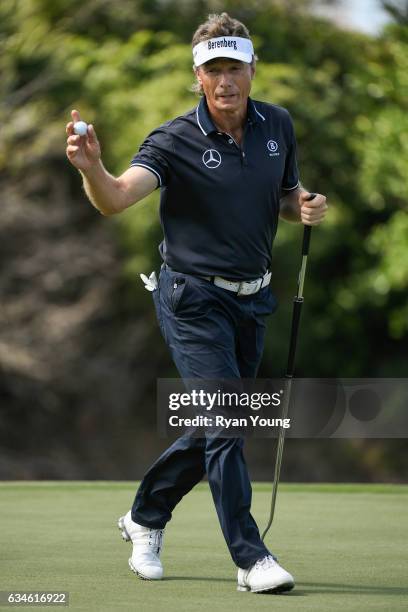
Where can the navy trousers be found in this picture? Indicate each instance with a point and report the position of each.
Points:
(214, 334)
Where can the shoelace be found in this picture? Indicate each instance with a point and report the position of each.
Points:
(156, 539)
(266, 562)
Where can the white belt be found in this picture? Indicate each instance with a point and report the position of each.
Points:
(241, 287)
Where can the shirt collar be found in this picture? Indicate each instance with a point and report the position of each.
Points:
(206, 125)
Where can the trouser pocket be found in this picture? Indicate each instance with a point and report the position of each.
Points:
(157, 306)
(184, 295)
(176, 292)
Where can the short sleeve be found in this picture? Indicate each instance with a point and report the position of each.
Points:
(290, 178)
(154, 154)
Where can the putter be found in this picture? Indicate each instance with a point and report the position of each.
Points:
(297, 309)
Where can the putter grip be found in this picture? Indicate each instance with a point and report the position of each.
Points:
(307, 232)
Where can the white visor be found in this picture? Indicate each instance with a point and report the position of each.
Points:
(224, 46)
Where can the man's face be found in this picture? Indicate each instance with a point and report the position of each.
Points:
(226, 83)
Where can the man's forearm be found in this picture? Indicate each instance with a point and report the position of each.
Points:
(102, 189)
(289, 206)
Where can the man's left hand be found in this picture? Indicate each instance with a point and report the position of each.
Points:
(312, 212)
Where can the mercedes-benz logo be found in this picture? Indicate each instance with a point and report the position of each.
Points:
(211, 158)
(272, 146)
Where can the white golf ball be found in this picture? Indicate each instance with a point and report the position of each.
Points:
(80, 128)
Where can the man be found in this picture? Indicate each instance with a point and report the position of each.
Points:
(227, 170)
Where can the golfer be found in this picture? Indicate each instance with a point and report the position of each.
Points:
(227, 171)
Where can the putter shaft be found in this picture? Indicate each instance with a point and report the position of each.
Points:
(297, 309)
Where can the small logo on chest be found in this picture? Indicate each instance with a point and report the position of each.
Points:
(272, 147)
(211, 158)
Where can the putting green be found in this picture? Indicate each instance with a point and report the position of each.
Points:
(346, 545)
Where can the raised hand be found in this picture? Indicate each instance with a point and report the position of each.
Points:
(82, 151)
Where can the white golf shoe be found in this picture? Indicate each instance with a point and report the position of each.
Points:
(147, 545)
(266, 576)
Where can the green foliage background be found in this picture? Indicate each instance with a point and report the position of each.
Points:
(126, 65)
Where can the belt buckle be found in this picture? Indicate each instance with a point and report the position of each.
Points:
(257, 282)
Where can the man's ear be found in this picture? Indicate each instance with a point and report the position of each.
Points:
(196, 72)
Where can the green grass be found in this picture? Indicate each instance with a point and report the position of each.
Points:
(345, 544)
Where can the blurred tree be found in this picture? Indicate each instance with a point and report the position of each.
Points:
(398, 9)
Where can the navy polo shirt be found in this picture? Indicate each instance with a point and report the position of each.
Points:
(219, 203)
